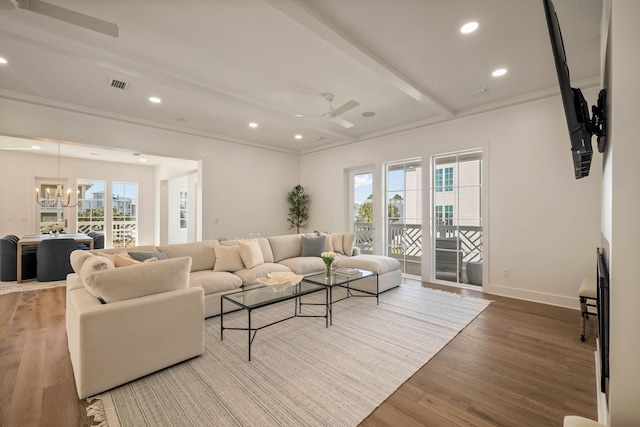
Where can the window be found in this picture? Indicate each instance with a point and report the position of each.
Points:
(444, 215)
(403, 214)
(456, 198)
(90, 206)
(124, 200)
(448, 179)
(182, 209)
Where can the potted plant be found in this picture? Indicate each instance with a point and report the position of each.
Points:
(299, 202)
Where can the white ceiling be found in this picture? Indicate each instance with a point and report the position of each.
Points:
(219, 64)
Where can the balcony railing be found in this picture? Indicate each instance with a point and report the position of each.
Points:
(364, 237)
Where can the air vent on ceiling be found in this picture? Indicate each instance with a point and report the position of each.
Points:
(118, 84)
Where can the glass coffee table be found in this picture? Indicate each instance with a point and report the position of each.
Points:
(256, 298)
(343, 281)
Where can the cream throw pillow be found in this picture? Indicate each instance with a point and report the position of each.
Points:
(250, 253)
(337, 243)
(90, 266)
(227, 258)
(77, 259)
(348, 240)
(138, 280)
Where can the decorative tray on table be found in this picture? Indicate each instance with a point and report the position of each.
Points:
(280, 280)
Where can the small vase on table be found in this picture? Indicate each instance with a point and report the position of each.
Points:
(328, 258)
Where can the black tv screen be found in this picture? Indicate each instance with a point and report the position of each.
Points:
(576, 108)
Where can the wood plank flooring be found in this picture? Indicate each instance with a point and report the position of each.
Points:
(517, 364)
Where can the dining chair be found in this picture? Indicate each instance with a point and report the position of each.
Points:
(9, 260)
(53, 259)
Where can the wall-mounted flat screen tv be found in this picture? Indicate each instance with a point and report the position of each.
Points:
(581, 126)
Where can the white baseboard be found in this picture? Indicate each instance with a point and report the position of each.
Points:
(541, 297)
(601, 398)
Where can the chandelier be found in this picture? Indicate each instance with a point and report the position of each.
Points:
(56, 200)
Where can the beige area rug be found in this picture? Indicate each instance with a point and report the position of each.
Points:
(9, 287)
(301, 373)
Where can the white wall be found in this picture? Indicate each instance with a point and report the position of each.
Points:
(18, 170)
(243, 188)
(622, 230)
(540, 222)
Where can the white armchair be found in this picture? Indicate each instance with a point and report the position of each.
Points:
(112, 344)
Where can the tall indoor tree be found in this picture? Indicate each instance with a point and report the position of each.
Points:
(299, 202)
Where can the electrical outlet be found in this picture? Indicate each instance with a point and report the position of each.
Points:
(505, 272)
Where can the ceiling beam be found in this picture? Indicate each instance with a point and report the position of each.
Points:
(340, 39)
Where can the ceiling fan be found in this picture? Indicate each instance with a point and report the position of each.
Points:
(334, 114)
(67, 15)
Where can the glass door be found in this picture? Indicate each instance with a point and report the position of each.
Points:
(456, 217)
(403, 210)
(361, 214)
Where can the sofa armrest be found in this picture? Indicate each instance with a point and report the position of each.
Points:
(356, 251)
(111, 344)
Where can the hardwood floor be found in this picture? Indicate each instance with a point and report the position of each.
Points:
(517, 364)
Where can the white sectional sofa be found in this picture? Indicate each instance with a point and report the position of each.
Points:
(225, 267)
(131, 313)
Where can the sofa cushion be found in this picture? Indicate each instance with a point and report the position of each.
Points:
(250, 253)
(348, 240)
(77, 258)
(328, 241)
(376, 263)
(227, 258)
(312, 246)
(250, 276)
(138, 280)
(286, 246)
(202, 253)
(92, 264)
(214, 281)
(124, 260)
(336, 240)
(143, 255)
(114, 251)
(304, 265)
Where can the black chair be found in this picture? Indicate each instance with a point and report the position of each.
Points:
(9, 260)
(53, 259)
(98, 240)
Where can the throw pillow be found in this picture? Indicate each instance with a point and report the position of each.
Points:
(337, 243)
(142, 255)
(348, 240)
(124, 260)
(250, 253)
(90, 266)
(313, 246)
(139, 280)
(227, 258)
(329, 242)
(77, 259)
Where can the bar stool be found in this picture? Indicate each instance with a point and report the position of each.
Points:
(588, 294)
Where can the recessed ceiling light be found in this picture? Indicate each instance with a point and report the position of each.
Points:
(299, 115)
(178, 118)
(3, 61)
(469, 27)
(143, 160)
(499, 72)
(298, 136)
(368, 114)
(35, 147)
(253, 125)
(155, 99)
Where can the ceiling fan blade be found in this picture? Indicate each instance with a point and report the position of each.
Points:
(70, 17)
(346, 107)
(343, 123)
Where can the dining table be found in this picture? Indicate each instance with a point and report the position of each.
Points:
(35, 239)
